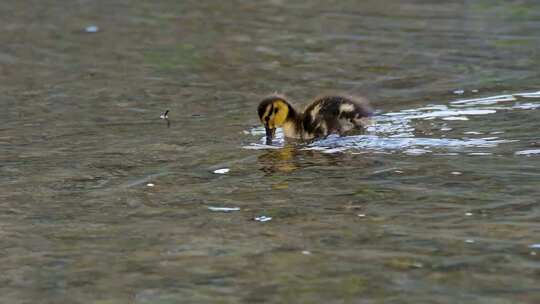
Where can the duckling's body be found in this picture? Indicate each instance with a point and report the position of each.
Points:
(324, 116)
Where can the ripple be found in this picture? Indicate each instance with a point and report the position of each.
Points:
(456, 118)
(528, 152)
(526, 106)
(408, 145)
(528, 95)
(451, 113)
(485, 100)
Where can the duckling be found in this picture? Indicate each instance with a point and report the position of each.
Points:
(324, 116)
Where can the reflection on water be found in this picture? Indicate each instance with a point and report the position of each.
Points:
(436, 203)
(279, 160)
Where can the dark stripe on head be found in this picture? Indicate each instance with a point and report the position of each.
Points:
(264, 104)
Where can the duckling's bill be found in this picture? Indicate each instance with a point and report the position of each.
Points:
(270, 133)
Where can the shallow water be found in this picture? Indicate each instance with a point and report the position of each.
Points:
(102, 202)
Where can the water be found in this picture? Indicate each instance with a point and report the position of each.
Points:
(436, 202)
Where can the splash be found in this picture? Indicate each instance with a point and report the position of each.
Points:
(408, 145)
(398, 131)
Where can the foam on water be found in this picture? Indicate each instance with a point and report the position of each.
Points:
(395, 131)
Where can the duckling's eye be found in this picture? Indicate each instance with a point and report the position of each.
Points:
(275, 111)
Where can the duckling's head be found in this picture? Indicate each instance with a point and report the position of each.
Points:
(274, 111)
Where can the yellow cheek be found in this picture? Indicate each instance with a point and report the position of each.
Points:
(280, 117)
(276, 119)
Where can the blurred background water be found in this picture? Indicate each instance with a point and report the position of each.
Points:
(101, 202)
